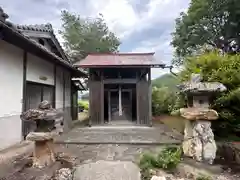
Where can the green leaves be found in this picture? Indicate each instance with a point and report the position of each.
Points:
(85, 35)
(225, 69)
(207, 22)
(168, 158)
(162, 100)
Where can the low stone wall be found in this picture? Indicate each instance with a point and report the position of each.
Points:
(229, 151)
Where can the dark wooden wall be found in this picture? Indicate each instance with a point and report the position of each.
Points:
(143, 97)
(96, 99)
(142, 102)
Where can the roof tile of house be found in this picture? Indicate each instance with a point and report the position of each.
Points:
(16, 29)
(119, 59)
(37, 27)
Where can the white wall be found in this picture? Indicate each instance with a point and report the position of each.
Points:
(37, 68)
(60, 72)
(59, 87)
(11, 78)
(67, 77)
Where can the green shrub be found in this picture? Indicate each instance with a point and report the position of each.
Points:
(203, 178)
(224, 69)
(165, 159)
(84, 104)
(162, 99)
(147, 160)
(169, 158)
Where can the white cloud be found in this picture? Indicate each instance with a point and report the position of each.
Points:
(127, 18)
(119, 14)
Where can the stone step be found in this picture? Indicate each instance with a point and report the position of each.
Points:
(108, 152)
(120, 135)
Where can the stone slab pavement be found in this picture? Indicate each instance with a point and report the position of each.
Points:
(107, 170)
(121, 135)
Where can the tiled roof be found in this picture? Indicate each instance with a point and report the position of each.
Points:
(42, 28)
(196, 85)
(16, 29)
(202, 87)
(36, 27)
(119, 59)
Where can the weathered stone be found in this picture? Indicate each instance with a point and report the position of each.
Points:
(102, 170)
(192, 170)
(199, 114)
(204, 145)
(158, 178)
(43, 150)
(40, 136)
(66, 159)
(196, 85)
(162, 173)
(229, 151)
(44, 105)
(188, 139)
(64, 174)
(199, 140)
(44, 116)
(43, 154)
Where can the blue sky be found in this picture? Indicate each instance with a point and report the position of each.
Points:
(142, 25)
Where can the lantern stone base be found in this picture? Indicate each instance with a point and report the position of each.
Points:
(199, 114)
(43, 151)
(199, 140)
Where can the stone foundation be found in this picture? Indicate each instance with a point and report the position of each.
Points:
(43, 154)
(199, 141)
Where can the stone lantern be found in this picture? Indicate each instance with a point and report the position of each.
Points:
(45, 118)
(199, 140)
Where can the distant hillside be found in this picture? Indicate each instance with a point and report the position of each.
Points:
(166, 80)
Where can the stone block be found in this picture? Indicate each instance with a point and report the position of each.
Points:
(43, 154)
(199, 114)
(40, 136)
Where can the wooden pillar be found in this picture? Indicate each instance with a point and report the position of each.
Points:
(137, 99)
(24, 90)
(90, 97)
(120, 100)
(102, 99)
(150, 96)
(55, 82)
(109, 105)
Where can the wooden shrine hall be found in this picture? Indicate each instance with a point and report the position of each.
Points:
(120, 87)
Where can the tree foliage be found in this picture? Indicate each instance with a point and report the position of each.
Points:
(211, 24)
(85, 35)
(164, 101)
(225, 69)
(166, 80)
